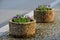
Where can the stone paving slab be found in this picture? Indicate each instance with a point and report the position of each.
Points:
(44, 31)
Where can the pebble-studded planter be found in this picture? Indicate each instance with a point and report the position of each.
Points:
(44, 16)
(26, 29)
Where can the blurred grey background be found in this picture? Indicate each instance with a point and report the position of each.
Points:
(22, 4)
(9, 8)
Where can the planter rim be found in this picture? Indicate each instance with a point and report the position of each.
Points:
(33, 20)
(40, 10)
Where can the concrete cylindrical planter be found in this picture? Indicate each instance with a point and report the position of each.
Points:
(26, 29)
(44, 16)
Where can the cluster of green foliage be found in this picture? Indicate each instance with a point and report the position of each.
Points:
(43, 8)
(19, 19)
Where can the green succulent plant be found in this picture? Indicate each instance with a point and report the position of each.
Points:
(19, 19)
(43, 8)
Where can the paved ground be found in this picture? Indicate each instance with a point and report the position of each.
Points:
(44, 31)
